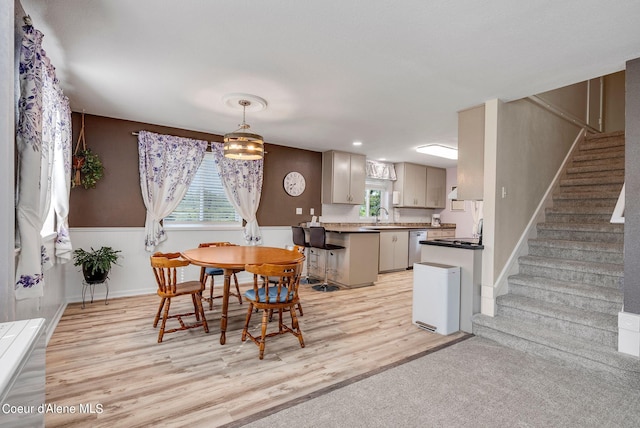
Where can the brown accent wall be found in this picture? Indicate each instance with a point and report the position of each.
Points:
(278, 208)
(117, 201)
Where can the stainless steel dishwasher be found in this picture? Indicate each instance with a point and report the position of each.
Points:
(415, 236)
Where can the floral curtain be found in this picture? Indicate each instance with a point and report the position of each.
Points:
(242, 181)
(167, 166)
(43, 141)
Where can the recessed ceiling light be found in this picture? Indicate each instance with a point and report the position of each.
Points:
(438, 150)
(382, 159)
(357, 143)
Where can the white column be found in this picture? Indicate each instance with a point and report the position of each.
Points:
(489, 208)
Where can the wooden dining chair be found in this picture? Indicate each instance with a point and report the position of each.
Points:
(274, 280)
(165, 270)
(279, 297)
(211, 272)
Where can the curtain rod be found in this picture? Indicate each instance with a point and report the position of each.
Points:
(136, 133)
(209, 143)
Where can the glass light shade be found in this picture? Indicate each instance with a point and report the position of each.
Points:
(438, 150)
(243, 145)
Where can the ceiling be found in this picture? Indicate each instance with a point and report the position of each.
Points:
(390, 74)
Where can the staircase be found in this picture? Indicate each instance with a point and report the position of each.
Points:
(564, 302)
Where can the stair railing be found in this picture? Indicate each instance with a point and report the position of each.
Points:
(563, 114)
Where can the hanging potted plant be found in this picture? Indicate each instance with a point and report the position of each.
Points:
(91, 169)
(87, 166)
(96, 264)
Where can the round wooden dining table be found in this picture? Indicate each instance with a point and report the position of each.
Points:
(233, 259)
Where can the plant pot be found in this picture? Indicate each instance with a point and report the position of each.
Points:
(97, 277)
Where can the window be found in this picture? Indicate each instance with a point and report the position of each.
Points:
(205, 201)
(375, 197)
(371, 203)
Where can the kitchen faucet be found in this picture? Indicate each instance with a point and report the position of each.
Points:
(378, 213)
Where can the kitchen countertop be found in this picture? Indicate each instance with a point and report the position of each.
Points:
(462, 244)
(380, 227)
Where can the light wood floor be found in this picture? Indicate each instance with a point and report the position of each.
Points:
(109, 356)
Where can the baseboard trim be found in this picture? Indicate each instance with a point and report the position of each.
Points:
(629, 333)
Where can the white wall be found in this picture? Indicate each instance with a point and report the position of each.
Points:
(133, 275)
(462, 219)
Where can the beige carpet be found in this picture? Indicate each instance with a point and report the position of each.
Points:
(474, 383)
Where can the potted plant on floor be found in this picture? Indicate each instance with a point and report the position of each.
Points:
(96, 264)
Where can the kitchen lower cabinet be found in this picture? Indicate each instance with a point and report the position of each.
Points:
(352, 267)
(394, 251)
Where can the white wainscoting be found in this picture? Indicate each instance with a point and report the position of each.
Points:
(134, 276)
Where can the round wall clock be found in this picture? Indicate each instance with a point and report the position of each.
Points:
(294, 183)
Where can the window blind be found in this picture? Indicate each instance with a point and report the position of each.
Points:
(205, 201)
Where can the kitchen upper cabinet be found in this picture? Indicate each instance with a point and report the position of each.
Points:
(411, 183)
(394, 250)
(471, 153)
(420, 186)
(436, 187)
(343, 178)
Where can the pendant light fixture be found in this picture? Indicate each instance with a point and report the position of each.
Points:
(242, 144)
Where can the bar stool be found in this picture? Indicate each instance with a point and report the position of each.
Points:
(317, 239)
(300, 240)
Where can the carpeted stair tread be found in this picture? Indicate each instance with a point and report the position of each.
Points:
(598, 174)
(610, 269)
(612, 147)
(592, 181)
(586, 156)
(545, 292)
(579, 209)
(596, 167)
(584, 232)
(568, 287)
(577, 218)
(577, 350)
(592, 251)
(590, 188)
(613, 195)
(609, 247)
(604, 136)
(583, 227)
(560, 312)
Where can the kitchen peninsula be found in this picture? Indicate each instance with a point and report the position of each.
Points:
(357, 265)
(468, 255)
